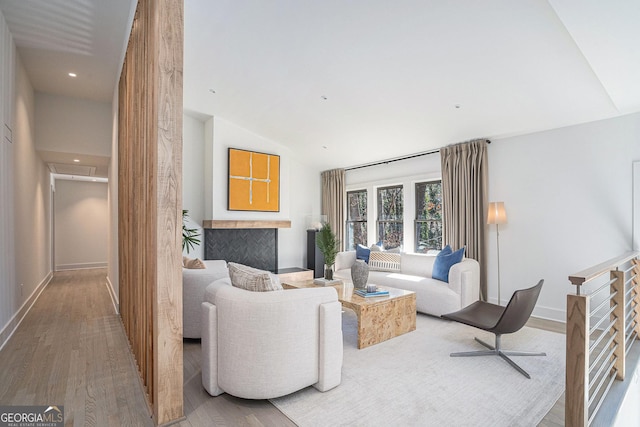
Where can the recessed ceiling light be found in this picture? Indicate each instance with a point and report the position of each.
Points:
(76, 160)
(324, 98)
(324, 146)
(73, 75)
(457, 106)
(212, 91)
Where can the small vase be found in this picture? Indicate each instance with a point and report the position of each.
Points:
(359, 274)
(328, 272)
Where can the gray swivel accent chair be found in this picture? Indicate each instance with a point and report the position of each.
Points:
(499, 320)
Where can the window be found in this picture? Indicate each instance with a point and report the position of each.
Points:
(428, 225)
(390, 209)
(356, 219)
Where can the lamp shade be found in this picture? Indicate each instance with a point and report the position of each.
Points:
(496, 213)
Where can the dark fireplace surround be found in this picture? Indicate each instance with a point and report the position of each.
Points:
(252, 243)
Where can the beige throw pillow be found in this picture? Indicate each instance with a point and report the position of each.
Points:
(193, 263)
(253, 279)
(384, 261)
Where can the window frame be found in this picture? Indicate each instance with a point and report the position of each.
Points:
(380, 222)
(426, 220)
(352, 245)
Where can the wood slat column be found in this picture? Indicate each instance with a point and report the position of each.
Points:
(618, 315)
(636, 294)
(149, 197)
(167, 335)
(577, 366)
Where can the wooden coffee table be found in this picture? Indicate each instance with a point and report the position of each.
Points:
(379, 318)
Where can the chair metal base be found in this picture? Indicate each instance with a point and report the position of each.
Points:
(497, 351)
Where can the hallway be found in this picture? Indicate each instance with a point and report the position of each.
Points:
(71, 350)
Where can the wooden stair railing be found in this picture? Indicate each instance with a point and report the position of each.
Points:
(601, 328)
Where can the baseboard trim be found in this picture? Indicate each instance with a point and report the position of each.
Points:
(81, 266)
(9, 329)
(541, 312)
(549, 313)
(547, 325)
(112, 294)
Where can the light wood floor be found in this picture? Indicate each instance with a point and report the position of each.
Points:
(71, 350)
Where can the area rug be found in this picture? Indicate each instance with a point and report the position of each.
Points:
(410, 380)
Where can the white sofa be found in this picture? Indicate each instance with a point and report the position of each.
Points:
(194, 283)
(432, 296)
(262, 345)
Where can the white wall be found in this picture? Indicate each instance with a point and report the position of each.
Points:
(205, 178)
(25, 204)
(193, 177)
(7, 79)
(73, 125)
(81, 224)
(636, 206)
(32, 191)
(7, 260)
(568, 196)
(304, 202)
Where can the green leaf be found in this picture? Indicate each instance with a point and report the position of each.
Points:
(189, 235)
(328, 244)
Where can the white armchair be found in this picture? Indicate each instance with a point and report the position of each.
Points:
(262, 345)
(194, 282)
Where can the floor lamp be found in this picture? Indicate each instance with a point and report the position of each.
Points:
(497, 215)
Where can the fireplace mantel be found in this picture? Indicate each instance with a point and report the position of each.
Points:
(220, 223)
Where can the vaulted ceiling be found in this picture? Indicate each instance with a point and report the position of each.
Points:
(346, 83)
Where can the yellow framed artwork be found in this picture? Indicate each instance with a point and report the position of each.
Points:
(254, 181)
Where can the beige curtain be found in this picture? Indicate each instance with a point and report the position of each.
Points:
(464, 201)
(333, 195)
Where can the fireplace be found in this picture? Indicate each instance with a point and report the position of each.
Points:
(252, 243)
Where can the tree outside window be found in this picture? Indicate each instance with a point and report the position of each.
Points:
(390, 211)
(356, 219)
(428, 224)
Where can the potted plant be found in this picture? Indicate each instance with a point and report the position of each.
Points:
(328, 245)
(189, 235)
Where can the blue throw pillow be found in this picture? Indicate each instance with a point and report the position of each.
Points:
(446, 250)
(363, 252)
(444, 261)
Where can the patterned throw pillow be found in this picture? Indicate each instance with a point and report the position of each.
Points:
(252, 279)
(384, 261)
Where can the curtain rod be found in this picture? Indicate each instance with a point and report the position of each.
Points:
(384, 162)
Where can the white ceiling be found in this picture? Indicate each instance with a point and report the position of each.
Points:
(392, 72)
(56, 37)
